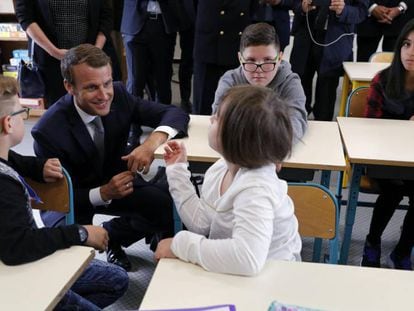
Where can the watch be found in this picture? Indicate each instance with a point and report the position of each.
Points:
(83, 234)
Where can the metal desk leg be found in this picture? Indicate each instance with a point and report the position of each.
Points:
(317, 244)
(350, 212)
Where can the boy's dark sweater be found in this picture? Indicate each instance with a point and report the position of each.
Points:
(20, 240)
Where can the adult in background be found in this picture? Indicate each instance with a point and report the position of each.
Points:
(219, 25)
(385, 20)
(276, 13)
(261, 63)
(391, 96)
(88, 130)
(58, 25)
(323, 48)
(149, 30)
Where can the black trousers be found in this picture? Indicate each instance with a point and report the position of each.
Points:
(326, 85)
(149, 56)
(368, 45)
(392, 192)
(206, 78)
(185, 71)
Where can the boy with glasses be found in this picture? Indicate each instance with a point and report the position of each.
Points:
(261, 64)
(21, 241)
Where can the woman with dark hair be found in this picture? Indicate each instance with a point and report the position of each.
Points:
(391, 96)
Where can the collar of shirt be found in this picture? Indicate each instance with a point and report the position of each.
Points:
(86, 119)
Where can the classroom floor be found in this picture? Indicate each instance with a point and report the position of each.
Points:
(142, 258)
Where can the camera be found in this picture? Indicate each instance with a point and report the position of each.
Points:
(321, 2)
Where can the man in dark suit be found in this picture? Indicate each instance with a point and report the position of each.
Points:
(88, 130)
(385, 20)
(219, 25)
(149, 30)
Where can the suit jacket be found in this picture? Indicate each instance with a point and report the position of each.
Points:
(219, 25)
(37, 11)
(371, 27)
(61, 133)
(135, 15)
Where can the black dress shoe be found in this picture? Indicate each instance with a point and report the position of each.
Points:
(117, 256)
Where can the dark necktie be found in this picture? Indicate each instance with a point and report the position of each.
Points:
(99, 136)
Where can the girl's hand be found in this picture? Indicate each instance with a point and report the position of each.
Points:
(175, 153)
(307, 6)
(164, 249)
(337, 6)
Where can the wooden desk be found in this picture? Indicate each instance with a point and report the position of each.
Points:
(357, 74)
(373, 142)
(320, 148)
(176, 284)
(41, 284)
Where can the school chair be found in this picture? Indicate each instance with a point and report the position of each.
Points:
(316, 209)
(381, 57)
(55, 196)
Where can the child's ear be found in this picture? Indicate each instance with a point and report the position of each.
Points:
(6, 127)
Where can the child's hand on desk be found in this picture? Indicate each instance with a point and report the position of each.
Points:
(412, 118)
(52, 170)
(164, 249)
(175, 153)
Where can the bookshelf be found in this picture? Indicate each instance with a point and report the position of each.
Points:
(13, 40)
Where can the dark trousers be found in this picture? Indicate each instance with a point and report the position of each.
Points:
(368, 45)
(206, 77)
(146, 211)
(392, 192)
(53, 81)
(185, 71)
(149, 56)
(326, 85)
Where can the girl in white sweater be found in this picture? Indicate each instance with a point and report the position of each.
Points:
(244, 215)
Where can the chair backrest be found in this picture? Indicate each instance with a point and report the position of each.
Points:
(317, 212)
(56, 196)
(356, 103)
(381, 57)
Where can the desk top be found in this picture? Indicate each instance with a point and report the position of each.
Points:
(176, 284)
(378, 141)
(41, 284)
(320, 148)
(363, 71)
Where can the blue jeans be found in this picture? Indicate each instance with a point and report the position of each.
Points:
(100, 285)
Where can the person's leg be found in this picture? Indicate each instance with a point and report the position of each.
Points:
(136, 59)
(307, 84)
(206, 78)
(101, 283)
(366, 46)
(185, 71)
(53, 81)
(73, 301)
(325, 96)
(161, 54)
(388, 43)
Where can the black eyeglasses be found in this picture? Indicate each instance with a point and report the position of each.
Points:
(252, 67)
(26, 112)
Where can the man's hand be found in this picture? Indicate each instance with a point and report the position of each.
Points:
(337, 6)
(175, 153)
(97, 237)
(140, 159)
(52, 170)
(164, 249)
(380, 12)
(393, 13)
(118, 187)
(307, 6)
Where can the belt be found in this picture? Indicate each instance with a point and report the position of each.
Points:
(153, 15)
